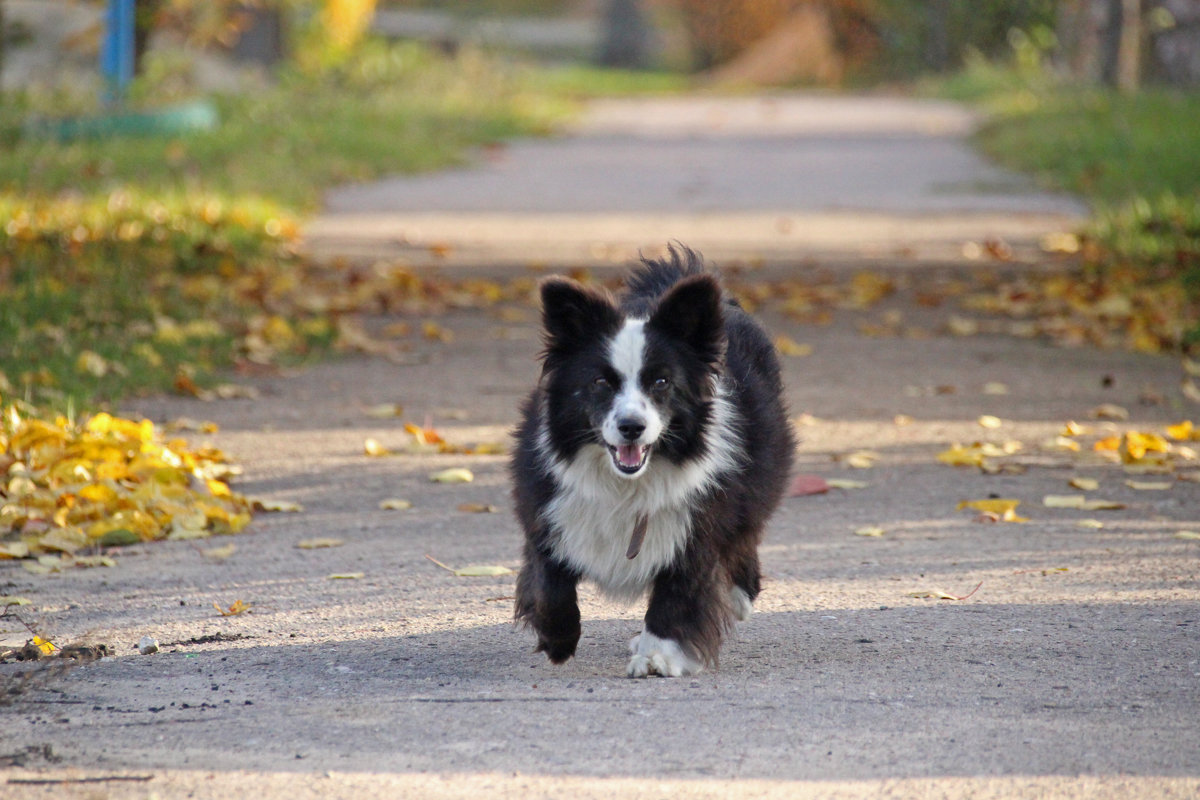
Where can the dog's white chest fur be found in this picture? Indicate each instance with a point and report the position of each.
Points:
(595, 510)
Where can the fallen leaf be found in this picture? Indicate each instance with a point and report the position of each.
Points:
(314, 544)
(14, 600)
(385, 411)
(372, 447)
(1094, 524)
(996, 509)
(220, 553)
(1186, 535)
(940, 595)
(395, 504)
(346, 576)
(1079, 501)
(803, 485)
(263, 504)
(1086, 484)
(453, 475)
(1109, 411)
(44, 645)
(238, 607)
(790, 347)
(870, 530)
(995, 388)
(846, 483)
(1150, 486)
(475, 571)
(1073, 428)
(988, 421)
(860, 459)
(477, 508)
(902, 420)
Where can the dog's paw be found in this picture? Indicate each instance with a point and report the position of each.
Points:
(741, 603)
(655, 656)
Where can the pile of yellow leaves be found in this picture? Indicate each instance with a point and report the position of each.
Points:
(69, 490)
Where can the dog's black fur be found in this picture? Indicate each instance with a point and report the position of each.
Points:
(709, 377)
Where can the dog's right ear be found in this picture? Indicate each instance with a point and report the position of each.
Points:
(573, 313)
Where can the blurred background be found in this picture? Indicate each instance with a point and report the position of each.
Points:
(159, 159)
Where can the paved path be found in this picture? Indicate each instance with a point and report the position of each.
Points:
(1071, 672)
(773, 178)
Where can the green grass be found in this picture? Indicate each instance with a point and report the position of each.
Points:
(392, 109)
(145, 264)
(1106, 147)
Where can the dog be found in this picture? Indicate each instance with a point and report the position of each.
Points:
(649, 457)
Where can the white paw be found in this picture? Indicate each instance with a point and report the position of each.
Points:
(741, 603)
(655, 656)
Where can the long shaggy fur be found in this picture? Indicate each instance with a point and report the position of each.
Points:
(664, 405)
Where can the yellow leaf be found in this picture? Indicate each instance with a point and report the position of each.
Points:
(1150, 486)
(995, 388)
(1094, 524)
(14, 550)
(395, 504)
(476, 571)
(993, 506)
(861, 459)
(932, 595)
(482, 571)
(788, 346)
(453, 475)
(988, 421)
(346, 576)
(1073, 429)
(1182, 431)
(1187, 535)
(92, 363)
(41, 644)
(844, 483)
(314, 544)
(1086, 484)
(1135, 445)
(238, 607)
(220, 553)
(373, 448)
(14, 600)
(870, 530)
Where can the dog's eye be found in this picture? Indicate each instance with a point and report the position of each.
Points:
(601, 382)
(662, 383)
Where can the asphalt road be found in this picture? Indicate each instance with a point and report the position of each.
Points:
(1072, 671)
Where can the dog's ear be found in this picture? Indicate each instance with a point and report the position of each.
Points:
(573, 313)
(691, 312)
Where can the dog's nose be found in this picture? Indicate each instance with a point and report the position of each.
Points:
(631, 428)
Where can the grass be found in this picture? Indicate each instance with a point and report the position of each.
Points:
(1134, 158)
(150, 264)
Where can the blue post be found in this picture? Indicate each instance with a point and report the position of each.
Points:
(116, 54)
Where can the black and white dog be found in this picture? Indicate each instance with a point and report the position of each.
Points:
(650, 456)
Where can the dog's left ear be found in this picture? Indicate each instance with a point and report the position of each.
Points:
(691, 311)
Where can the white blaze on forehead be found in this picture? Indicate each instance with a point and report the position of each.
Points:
(626, 352)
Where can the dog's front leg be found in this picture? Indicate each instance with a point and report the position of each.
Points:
(547, 601)
(684, 625)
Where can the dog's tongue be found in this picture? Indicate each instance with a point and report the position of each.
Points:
(629, 455)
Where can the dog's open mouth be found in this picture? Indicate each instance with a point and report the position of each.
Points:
(629, 458)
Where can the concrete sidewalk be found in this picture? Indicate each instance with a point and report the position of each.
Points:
(1071, 672)
(762, 178)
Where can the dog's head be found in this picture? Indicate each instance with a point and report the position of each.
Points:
(633, 385)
